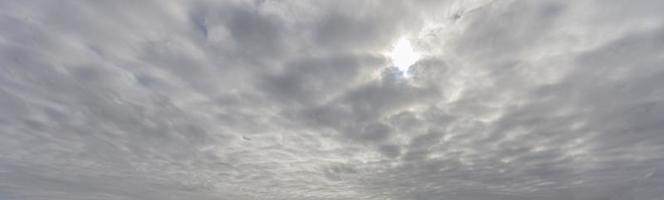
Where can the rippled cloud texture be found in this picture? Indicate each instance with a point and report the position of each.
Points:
(296, 100)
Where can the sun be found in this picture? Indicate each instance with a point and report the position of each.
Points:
(403, 55)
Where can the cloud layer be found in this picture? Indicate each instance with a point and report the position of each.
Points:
(277, 99)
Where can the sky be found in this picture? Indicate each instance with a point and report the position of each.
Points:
(332, 100)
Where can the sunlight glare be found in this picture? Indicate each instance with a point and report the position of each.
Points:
(403, 55)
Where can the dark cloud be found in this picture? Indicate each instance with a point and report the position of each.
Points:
(269, 99)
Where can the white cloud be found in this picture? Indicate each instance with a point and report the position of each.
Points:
(296, 100)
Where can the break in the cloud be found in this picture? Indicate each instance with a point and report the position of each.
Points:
(277, 99)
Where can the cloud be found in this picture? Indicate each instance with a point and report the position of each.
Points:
(269, 99)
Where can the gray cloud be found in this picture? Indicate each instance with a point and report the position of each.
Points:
(269, 99)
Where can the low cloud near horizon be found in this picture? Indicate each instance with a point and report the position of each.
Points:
(298, 100)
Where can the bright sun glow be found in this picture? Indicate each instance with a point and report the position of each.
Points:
(403, 55)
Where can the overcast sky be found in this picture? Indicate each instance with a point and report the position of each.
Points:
(311, 100)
